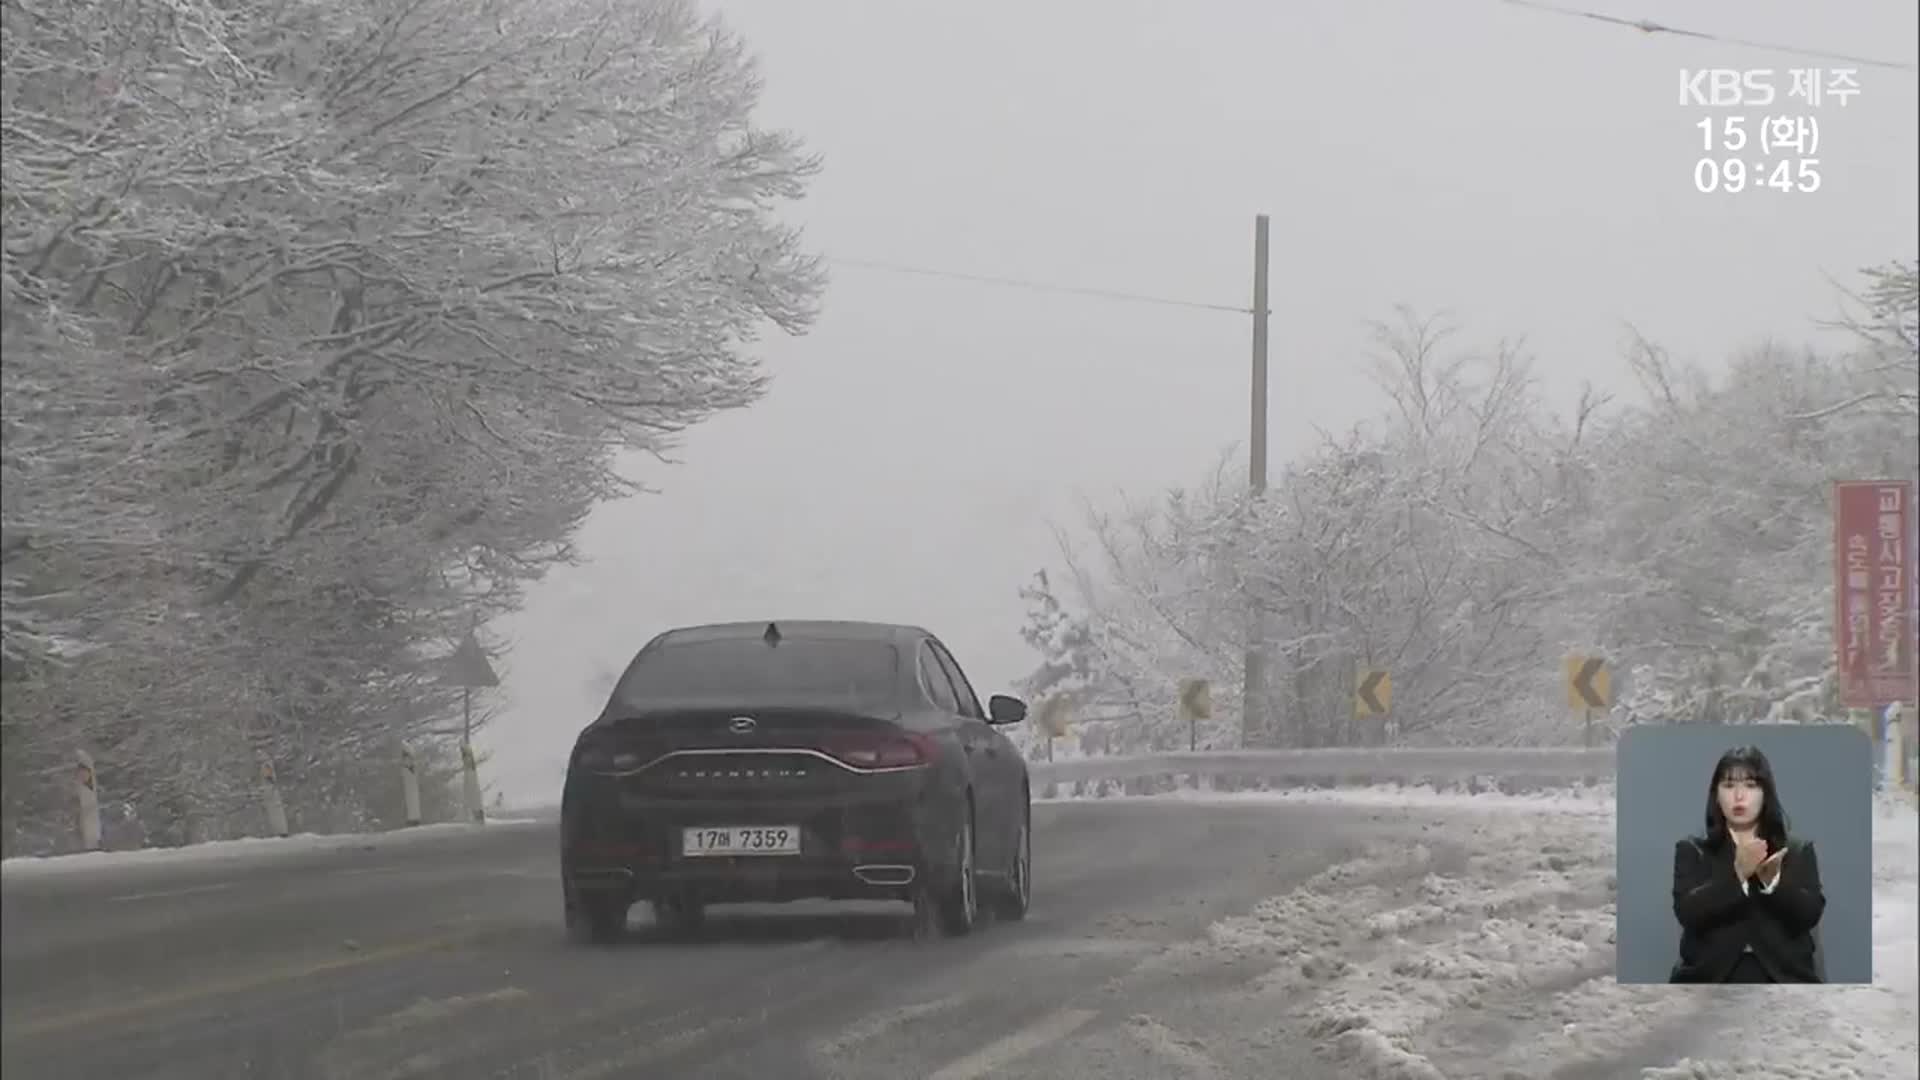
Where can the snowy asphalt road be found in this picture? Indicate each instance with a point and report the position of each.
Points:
(447, 959)
(1170, 940)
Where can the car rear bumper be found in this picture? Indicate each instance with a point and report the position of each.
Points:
(851, 848)
(767, 878)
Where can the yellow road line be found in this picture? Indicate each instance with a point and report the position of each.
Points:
(426, 1011)
(360, 1053)
(563, 1027)
(37, 1027)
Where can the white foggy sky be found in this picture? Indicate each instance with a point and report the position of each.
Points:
(1528, 172)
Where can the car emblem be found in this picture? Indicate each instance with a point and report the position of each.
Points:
(742, 725)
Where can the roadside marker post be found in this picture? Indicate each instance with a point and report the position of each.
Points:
(270, 799)
(1196, 704)
(471, 671)
(87, 793)
(410, 784)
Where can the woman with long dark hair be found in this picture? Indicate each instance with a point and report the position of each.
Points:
(1746, 893)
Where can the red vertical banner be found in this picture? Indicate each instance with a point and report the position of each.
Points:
(1873, 592)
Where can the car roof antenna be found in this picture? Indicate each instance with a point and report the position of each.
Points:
(772, 636)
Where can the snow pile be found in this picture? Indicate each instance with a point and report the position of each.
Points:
(1480, 945)
(1312, 922)
(1488, 936)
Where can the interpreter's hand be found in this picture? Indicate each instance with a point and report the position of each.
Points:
(1748, 854)
(1770, 868)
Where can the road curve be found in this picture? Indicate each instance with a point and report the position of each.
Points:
(447, 959)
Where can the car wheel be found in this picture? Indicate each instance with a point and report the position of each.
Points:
(1017, 895)
(596, 918)
(950, 908)
(679, 915)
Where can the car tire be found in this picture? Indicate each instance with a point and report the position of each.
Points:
(1016, 893)
(951, 907)
(679, 916)
(596, 918)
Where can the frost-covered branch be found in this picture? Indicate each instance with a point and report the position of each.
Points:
(324, 328)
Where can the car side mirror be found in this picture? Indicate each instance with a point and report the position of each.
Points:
(1005, 709)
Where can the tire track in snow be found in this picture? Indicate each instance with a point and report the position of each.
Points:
(1206, 1007)
(1481, 947)
(1180, 1055)
(1524, 985)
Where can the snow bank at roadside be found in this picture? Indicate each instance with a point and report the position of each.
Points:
(252, 847)
(1552, 971)
(1573, 800)
(1482, 947)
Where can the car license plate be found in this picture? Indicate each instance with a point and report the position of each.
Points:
(741, 840)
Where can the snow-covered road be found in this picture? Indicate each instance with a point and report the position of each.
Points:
(1390, 935)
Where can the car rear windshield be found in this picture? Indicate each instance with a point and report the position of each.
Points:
(803, 671)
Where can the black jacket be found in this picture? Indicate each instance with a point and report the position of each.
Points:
(1718, 921)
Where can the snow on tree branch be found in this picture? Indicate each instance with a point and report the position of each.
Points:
(1469, 538)
(325, 325)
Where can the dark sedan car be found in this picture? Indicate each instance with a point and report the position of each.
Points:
(748, 762)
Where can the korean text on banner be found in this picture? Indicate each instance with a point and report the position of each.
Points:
(1873, 617)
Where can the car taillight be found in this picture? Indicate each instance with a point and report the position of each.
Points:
(883, 751)
(603, 758)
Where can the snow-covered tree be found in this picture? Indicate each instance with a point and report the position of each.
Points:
(324, 324)
(1068, 655)
(1152, 587)
(1714, 560)
(1468, 539)
(1423, 545)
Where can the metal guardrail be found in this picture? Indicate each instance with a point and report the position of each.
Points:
(1346, 765)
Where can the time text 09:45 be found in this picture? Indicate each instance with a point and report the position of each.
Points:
(1770, 141)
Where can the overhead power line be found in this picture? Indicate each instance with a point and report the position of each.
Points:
(1039, 286)
(1647, 26)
